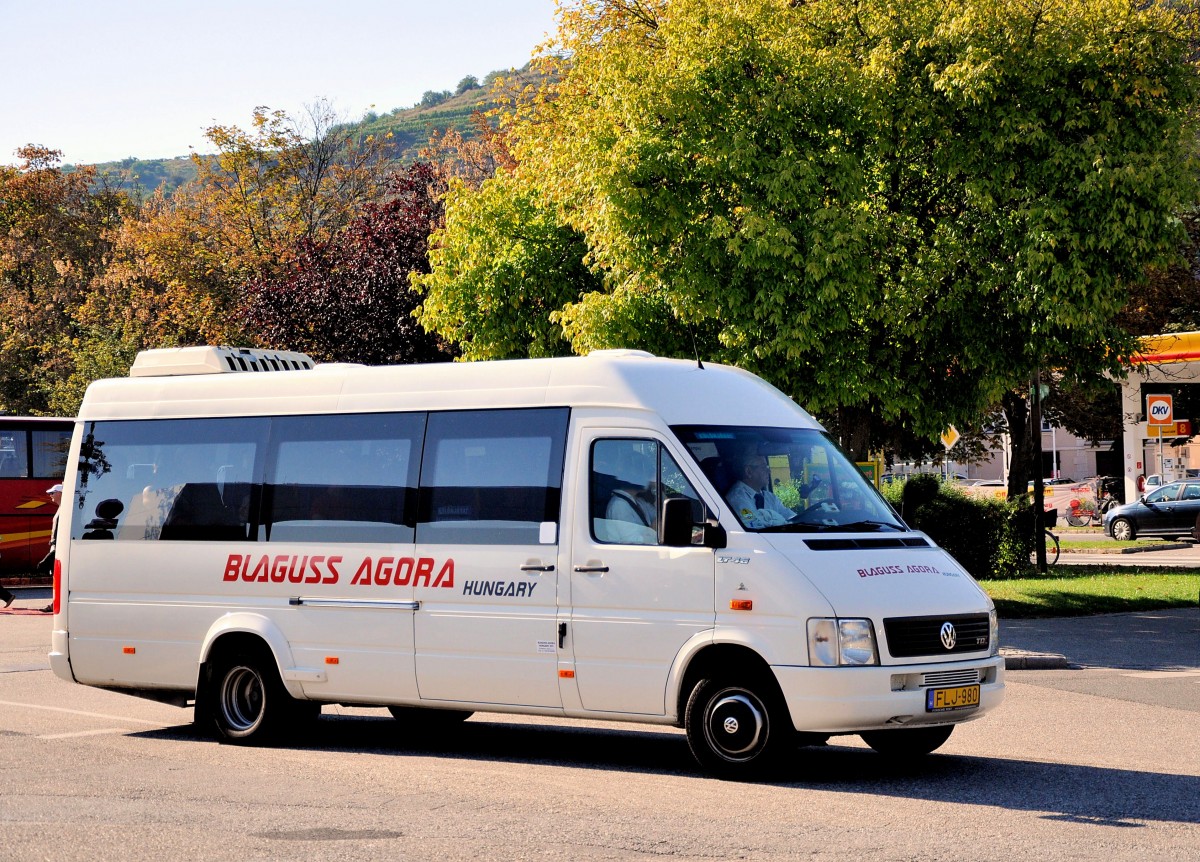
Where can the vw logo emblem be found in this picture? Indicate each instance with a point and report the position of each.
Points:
(731, 725)
(949, 636)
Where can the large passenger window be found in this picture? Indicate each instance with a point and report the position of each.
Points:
(492, 477)
(170, 479)
(50, 453)
(14, 454)
(343, 478)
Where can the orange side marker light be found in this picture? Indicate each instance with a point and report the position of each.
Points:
(741, 605)
(331, 659)
(566, 674)
(129, 650)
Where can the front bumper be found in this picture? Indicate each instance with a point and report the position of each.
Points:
(853, 699)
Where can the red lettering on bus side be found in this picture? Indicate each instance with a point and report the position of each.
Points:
(363, 575)
(424, 571)
(278, 572)
(445, 576)
(383, 571)
(334, 574)
(315, 572)
(260, 570)
(233, 567)
(296, 573)
(404, 570)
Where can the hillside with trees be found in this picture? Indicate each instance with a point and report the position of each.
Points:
(403, 131)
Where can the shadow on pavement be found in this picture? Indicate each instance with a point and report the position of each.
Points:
(1095, 795)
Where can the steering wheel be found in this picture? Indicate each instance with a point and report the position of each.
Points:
(822, 506)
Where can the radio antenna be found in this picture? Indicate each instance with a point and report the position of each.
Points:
(695, 347)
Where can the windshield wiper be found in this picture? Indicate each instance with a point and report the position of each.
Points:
(794, 527)
(864, 526)
(850, 527)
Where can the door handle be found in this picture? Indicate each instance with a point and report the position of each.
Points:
(531, 567)
(591, 569)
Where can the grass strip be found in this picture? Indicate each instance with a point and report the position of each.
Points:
(1068, 591)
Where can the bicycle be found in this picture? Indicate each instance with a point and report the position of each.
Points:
(1051, 542)
(1052, 546)
(1078, 516)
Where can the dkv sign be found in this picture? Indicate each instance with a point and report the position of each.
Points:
(1160, 409)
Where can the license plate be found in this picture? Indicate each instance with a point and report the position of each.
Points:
(943, 699)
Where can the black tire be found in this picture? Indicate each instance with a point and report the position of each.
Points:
(1074, 520)
(1052, 548)
(908, 742)
(1123, 530)
(247, 703)
(428, 719)
(735, 730)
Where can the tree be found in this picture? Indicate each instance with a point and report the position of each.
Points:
(286, 185)
(894, 215)
(470, 82)
(433, 98)
(502, 265)
(347, 299)
(56, 231)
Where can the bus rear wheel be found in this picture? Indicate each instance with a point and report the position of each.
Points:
(247, 702)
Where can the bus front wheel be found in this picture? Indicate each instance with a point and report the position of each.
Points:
(735, 729)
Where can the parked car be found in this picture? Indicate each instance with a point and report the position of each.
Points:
(1169, 510)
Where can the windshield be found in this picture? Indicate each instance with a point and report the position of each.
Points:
(787, 479)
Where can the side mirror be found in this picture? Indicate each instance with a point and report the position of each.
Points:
(679, 527)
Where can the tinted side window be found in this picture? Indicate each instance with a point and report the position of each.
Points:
(14, 453)
(171, 479)
(50, 453)
(343, 478)
(492, 477)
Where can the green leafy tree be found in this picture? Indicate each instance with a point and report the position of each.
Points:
(896, 214)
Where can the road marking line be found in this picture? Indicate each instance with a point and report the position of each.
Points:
(1162, 674)
(83, 733)
(80, 712)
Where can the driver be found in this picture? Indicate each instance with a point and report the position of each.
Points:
(750, 496)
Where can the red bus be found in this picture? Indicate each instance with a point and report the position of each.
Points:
(33, 457)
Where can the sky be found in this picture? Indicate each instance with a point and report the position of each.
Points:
(101, 80)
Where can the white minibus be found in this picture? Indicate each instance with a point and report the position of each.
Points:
(615, 536)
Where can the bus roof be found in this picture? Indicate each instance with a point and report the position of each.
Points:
(681, 391)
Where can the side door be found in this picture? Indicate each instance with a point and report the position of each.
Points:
(487, 556)
(1161, 513)
(634, 602)
(1188, 508)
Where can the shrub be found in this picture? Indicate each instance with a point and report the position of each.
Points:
(990, 538)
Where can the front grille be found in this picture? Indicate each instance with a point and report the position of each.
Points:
(950, 677)
(922, 636)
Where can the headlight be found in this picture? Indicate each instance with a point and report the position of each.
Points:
(844, 642)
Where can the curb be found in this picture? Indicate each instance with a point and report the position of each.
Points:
(1144, 549)
(27, 581)
(1015, 659)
